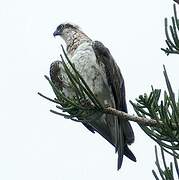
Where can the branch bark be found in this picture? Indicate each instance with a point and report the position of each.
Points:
(125, 116)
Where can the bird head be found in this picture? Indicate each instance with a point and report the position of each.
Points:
(65, 29)
(72, 35)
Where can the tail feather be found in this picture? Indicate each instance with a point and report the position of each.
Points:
(125, 136)
(129, 154)
(120, 160)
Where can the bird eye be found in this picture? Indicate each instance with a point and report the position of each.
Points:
(60, 27)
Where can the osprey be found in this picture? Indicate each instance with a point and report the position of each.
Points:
(98, 68)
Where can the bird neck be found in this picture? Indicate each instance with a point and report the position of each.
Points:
(74, 40)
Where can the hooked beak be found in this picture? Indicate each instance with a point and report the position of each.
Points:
(56, 33)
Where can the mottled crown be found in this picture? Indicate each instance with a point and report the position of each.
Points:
(68, 25)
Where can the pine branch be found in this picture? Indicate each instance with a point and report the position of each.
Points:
(166, 112)
(108, 110)
(171, 32)
(125, 116)
(169, 112)
(165, 171)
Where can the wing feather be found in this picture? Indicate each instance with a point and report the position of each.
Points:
(124, 133)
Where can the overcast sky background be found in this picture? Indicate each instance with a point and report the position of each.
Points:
(38, 145)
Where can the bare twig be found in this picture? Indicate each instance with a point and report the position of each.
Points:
(125, 116)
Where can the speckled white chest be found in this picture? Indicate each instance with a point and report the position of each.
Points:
(94, 74)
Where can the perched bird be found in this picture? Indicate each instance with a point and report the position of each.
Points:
(96, 65)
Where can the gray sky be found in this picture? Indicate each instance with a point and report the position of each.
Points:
(38, 145)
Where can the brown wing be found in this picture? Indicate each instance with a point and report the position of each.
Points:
(124, 130)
